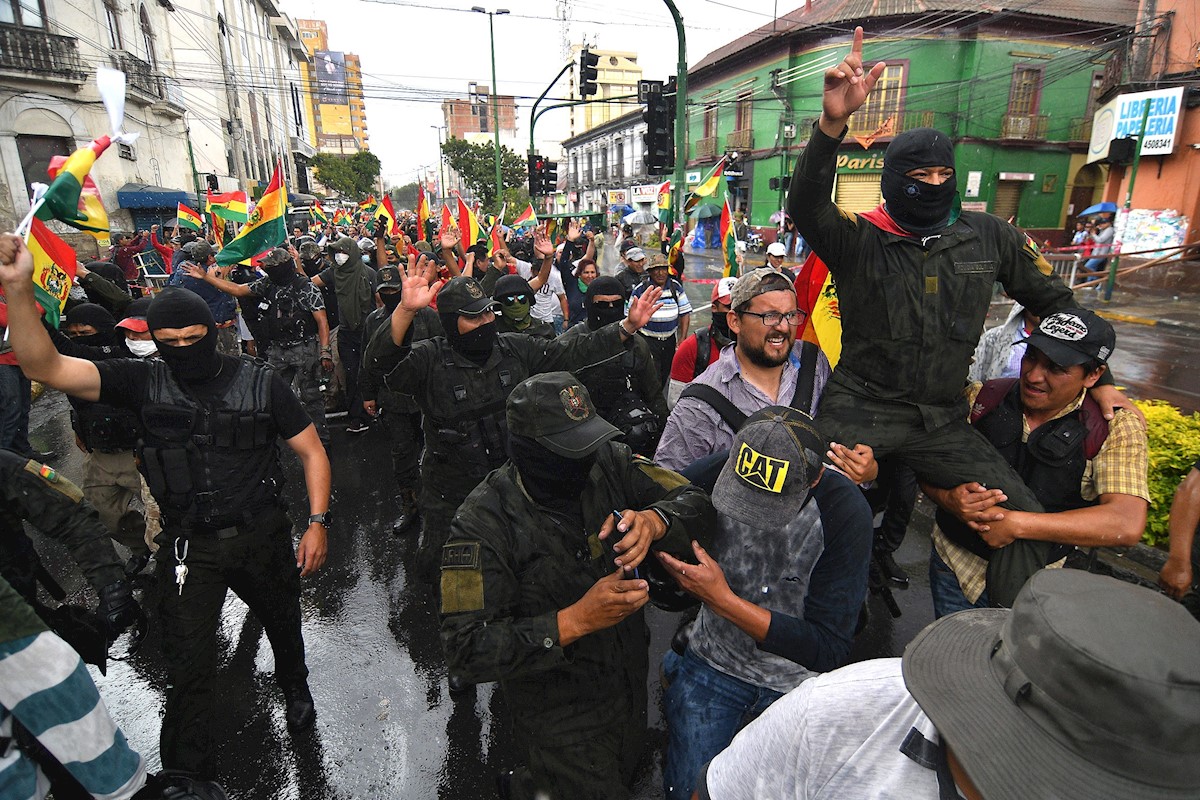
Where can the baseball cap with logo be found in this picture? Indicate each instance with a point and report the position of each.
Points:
(723, 289)
(390, 278)
(773, 461)
(198, 250)
(555, 409)
(756, 282)
(635, 254)
(776, 249)
(464, 296)
(1073, 336)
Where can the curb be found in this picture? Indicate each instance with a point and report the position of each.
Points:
(1136, 319)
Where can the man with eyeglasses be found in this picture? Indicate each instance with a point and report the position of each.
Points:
(764, 368)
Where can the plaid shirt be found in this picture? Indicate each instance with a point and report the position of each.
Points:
(1118, 468)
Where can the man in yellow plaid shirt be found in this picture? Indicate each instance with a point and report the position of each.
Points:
(1088, 473)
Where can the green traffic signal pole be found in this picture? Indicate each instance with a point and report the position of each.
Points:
(533, 115)
(1133, 170)
(680, 117)
(495, 91)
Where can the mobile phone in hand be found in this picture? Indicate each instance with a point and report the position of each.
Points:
(627, 573)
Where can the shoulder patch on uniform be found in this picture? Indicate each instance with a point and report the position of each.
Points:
(668, 479)
(460, 555)
(462, 578)
(47, 475)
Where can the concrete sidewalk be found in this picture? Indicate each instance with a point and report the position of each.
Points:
(1146, 308)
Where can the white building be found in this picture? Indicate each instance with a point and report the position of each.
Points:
(605, 168)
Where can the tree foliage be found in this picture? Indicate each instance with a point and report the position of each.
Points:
(348, 175)
(404, 196)
(476, 165)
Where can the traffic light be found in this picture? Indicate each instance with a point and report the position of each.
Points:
(588, 72)
(549, 177)
(660, 132)
(537, 168)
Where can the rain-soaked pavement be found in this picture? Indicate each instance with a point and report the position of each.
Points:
(386, 725)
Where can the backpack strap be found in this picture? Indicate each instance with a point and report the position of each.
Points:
(730, 413)
(802, 399)
(703, 350)
(990, 395)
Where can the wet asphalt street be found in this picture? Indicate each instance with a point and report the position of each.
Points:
(386, 726)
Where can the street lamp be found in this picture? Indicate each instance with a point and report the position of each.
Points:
(495, 99)
(441, 162)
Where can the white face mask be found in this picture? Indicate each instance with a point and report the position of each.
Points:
(140, 348)
(341, 258)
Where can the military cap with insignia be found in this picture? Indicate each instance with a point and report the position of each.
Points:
(465, 297)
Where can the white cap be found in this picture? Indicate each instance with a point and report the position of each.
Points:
(776, 249)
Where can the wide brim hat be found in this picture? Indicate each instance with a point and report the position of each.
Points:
(994, 682)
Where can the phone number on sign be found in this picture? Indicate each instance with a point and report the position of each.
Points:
(1156, 144)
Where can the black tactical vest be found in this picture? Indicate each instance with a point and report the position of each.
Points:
(288, 322)
(104, 428)
(211, 462)
(1051, 462)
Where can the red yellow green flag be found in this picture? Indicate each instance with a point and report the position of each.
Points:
(72, 197)
(53, 270)
(728, 242)
(817, 297)
(468, 224)
(496, 242)
(317, 212)
(422, 210)
(266, 228)
(186, 218)
(664, 203)
(228, 205)
(527, 219)
(447, 220)
(706, 188)
(386, 211)
(217, 226)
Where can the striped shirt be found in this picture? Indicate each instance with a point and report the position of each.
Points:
(45, 686)
(675, 304)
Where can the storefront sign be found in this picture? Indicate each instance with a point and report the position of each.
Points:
(1122, 117)
(974, 179)
(1016, 176)
(646, 193)
(693, 177)
(870, 162)
(618, 197)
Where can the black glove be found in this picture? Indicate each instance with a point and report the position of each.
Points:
(117, 607)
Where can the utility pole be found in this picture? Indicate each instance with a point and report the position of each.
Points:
(495, 95)
(680, 117)
(1133, 170)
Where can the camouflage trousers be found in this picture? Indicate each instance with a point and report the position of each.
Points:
(300, 366)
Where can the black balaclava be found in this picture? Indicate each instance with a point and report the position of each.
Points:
(920, 208)
(516, 314)
(598, 317)
(281, 274)
(390, 298)
(476, 344)
(552, 480)
(96, 316)
(110, 272)
(176, 307)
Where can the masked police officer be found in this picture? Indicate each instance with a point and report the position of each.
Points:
(400, 414)
(210, 457)
(461, 381)
(291, 312)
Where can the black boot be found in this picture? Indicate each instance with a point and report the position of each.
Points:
(301, 711)
(891, 570)
(409, 514)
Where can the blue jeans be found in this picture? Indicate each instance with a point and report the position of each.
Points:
(705, 708)
(14, 409)
(947, 593)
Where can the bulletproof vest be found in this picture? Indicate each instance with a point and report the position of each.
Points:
(104, 428)
(288, 322)
(467, 422)
(1051, 462)
(611, 387)
(208, 462)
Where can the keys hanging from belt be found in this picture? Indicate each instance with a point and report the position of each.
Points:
(181, 569)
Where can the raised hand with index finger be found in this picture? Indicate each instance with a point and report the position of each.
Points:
(846, 87)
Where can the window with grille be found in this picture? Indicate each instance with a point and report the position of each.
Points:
(147, 38)
(884, 101)
(1026, 93)
(710, 120)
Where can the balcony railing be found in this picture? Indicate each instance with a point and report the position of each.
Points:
(1081, 129)
(901, 122)
(740, 140)
(140, 77)
(1024, 126)
(35, 51)
(706, 148)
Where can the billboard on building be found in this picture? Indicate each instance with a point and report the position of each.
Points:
(335, 120)
(331, 77)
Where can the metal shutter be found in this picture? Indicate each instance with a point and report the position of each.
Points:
(858, 192)
(1008, 199)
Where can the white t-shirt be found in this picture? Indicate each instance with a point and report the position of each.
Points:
(837, 736)
(545, 302)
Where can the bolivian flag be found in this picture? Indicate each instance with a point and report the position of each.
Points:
(706, 188)
(386, 211)
(728, 242)
(422, 210)
(53, 270)
(186, 218)
(72, 197)
(266, 228)
(664, 203)
(217, 226)
(817, 297)
(318, 213)
(447, 220)
(527, 219)
(468, 224)
(229, 206)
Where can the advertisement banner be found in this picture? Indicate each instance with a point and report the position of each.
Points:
(1122, 117)
(646, 193)
(618, 197)
(330, 67)
(335, 120)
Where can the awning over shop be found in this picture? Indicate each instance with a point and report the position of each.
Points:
(143, 195)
